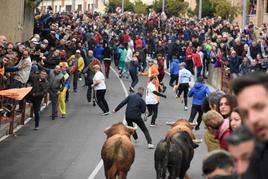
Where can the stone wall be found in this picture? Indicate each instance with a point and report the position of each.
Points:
(16, 20)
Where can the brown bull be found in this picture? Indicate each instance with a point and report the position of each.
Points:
(180, 125)
(118, 152)
(175, 153)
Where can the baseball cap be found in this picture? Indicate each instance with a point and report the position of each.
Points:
(77, 51)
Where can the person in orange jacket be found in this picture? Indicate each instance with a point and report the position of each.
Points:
(152, 71)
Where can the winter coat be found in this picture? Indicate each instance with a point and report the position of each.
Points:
(175, 67)
(135, 106)
(234, 65)
(199, 93)
(98, 52)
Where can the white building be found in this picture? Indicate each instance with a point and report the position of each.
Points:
(69, 5)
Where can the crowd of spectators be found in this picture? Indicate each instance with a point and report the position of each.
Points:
(66, 46)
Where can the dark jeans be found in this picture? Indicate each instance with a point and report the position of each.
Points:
(134, 78)
(190, 66)
(161, 77)
(172, 79)
(199, 70)
(184, 87)
(168, 60)
(89, 93)
(101, 100)
(107, 64)
(75, 80)
(36, 108)
(196, 109)
(142, 126)
(153, 110)
(54, 102)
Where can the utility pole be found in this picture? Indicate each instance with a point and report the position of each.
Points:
(200, 9)
(244, 13)
(123, 6)
(73, 5)
(163, 5)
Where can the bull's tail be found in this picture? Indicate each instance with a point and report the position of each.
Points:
(109, 164)
(161, 158)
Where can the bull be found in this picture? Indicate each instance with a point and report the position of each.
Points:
(117, 151)
(175, 152)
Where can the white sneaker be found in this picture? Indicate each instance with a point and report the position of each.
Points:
(105, 114)
(185, 108)
(80, 79)
(150, 146)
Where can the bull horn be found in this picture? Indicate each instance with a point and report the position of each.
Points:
(106, 129)
(193, 124)
(197, 141)
(169, 123)
(135, 128)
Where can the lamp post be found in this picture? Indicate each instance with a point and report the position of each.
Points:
(200, 9)
(123, 5)
(244, 13)
(163, 5)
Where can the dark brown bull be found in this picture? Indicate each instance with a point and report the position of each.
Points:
(175, 152)
(118, 152)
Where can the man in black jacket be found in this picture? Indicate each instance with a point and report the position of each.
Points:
(40, 86)
(135, 107)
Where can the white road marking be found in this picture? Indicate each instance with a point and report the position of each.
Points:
(100, 164)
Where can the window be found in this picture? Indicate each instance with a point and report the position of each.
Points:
(79, 7)
(252, 7)
(68, 8)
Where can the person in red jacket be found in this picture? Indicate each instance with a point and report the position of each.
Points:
(161, 70)
(189, 56)
(197, 62)
(138, 43)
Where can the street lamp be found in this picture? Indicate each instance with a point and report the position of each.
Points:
(200, 9)
(123, 5)
(244, 13)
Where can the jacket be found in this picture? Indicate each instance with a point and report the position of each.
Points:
(234, 65)
(39, 88)
(199, 93)
(135, 106)
(98, 52)
(138, 43)
(175, 67)
(56, 81)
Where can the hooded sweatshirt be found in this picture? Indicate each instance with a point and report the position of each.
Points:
(174, 67)
(199, 92)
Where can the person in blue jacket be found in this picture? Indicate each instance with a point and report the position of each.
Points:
(199, 92)
(174, 71)
(98, 52)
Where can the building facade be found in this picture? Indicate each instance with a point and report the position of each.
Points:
(257, 11)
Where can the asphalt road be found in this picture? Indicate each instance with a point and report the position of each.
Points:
(69, 148)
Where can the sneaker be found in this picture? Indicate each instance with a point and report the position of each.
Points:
(36, 128)
(80, 79)
(63, 116)
(145, 117)
(185, 108)
(105, 114)
(152, 125)
(197, 128)
(150, 146)
(136, 141)
(131, 89)
(94, 103)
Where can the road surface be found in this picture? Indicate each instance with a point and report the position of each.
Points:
(69, 148)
